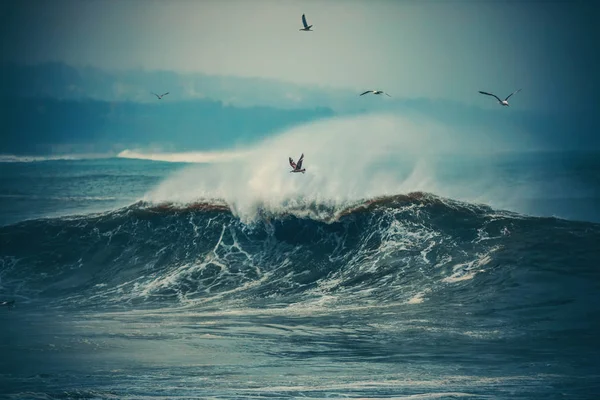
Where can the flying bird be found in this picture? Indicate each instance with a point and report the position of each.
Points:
(160, 96)
(375, 92)
(306, 26)
(297, 167)
(502, 102)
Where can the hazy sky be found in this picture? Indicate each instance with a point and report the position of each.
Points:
(433, 49)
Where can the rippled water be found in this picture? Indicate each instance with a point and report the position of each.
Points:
(413, 295)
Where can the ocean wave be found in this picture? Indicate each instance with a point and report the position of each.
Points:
(358, 230)
(415, 249)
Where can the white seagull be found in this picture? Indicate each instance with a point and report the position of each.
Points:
(375, 92)
(306, 26)
(160, 96)
(502, 102)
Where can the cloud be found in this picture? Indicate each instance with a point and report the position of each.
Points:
(490, 46)
(294, 97)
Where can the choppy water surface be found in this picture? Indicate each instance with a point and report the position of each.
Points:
(402, 296)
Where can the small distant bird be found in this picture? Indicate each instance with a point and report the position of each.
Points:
(502, 102)
(375, 92)
(160, 96)
(306, 26)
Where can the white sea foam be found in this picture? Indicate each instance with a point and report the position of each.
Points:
(184, 157)
(346, 159)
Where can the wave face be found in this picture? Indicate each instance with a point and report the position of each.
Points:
(406, 290)
(409, 249)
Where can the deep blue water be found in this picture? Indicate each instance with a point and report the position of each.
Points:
(412, 294)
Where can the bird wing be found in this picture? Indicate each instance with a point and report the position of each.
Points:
(292, 163)
(508, 97)
(164, 94)
(304, 21)
(388, 95)
(368, 91)
(155, 94)
(299, 166)
(490, 94)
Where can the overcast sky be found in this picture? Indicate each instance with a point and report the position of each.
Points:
(432, 49)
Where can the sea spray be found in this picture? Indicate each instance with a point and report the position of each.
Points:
(347, 159)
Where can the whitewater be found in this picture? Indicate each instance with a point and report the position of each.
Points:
(404, 264)
(348, 159)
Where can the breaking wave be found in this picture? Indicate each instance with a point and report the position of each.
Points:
(347, 159)
(247, 234)
(414, 249)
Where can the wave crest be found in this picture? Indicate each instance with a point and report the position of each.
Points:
(347, 160)
(325, 212)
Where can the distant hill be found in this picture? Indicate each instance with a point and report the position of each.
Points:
(43, 125)
(53, 103)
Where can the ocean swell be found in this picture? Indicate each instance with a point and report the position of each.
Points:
(414, 249)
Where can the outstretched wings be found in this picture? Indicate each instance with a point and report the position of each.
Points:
(294, 165)
(368, 91)
(490, 94)
(516, 91)
(299, 166)
(304, 21)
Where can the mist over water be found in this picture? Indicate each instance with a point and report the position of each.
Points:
(347, 159)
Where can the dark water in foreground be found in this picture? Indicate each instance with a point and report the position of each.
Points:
(407, 296)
